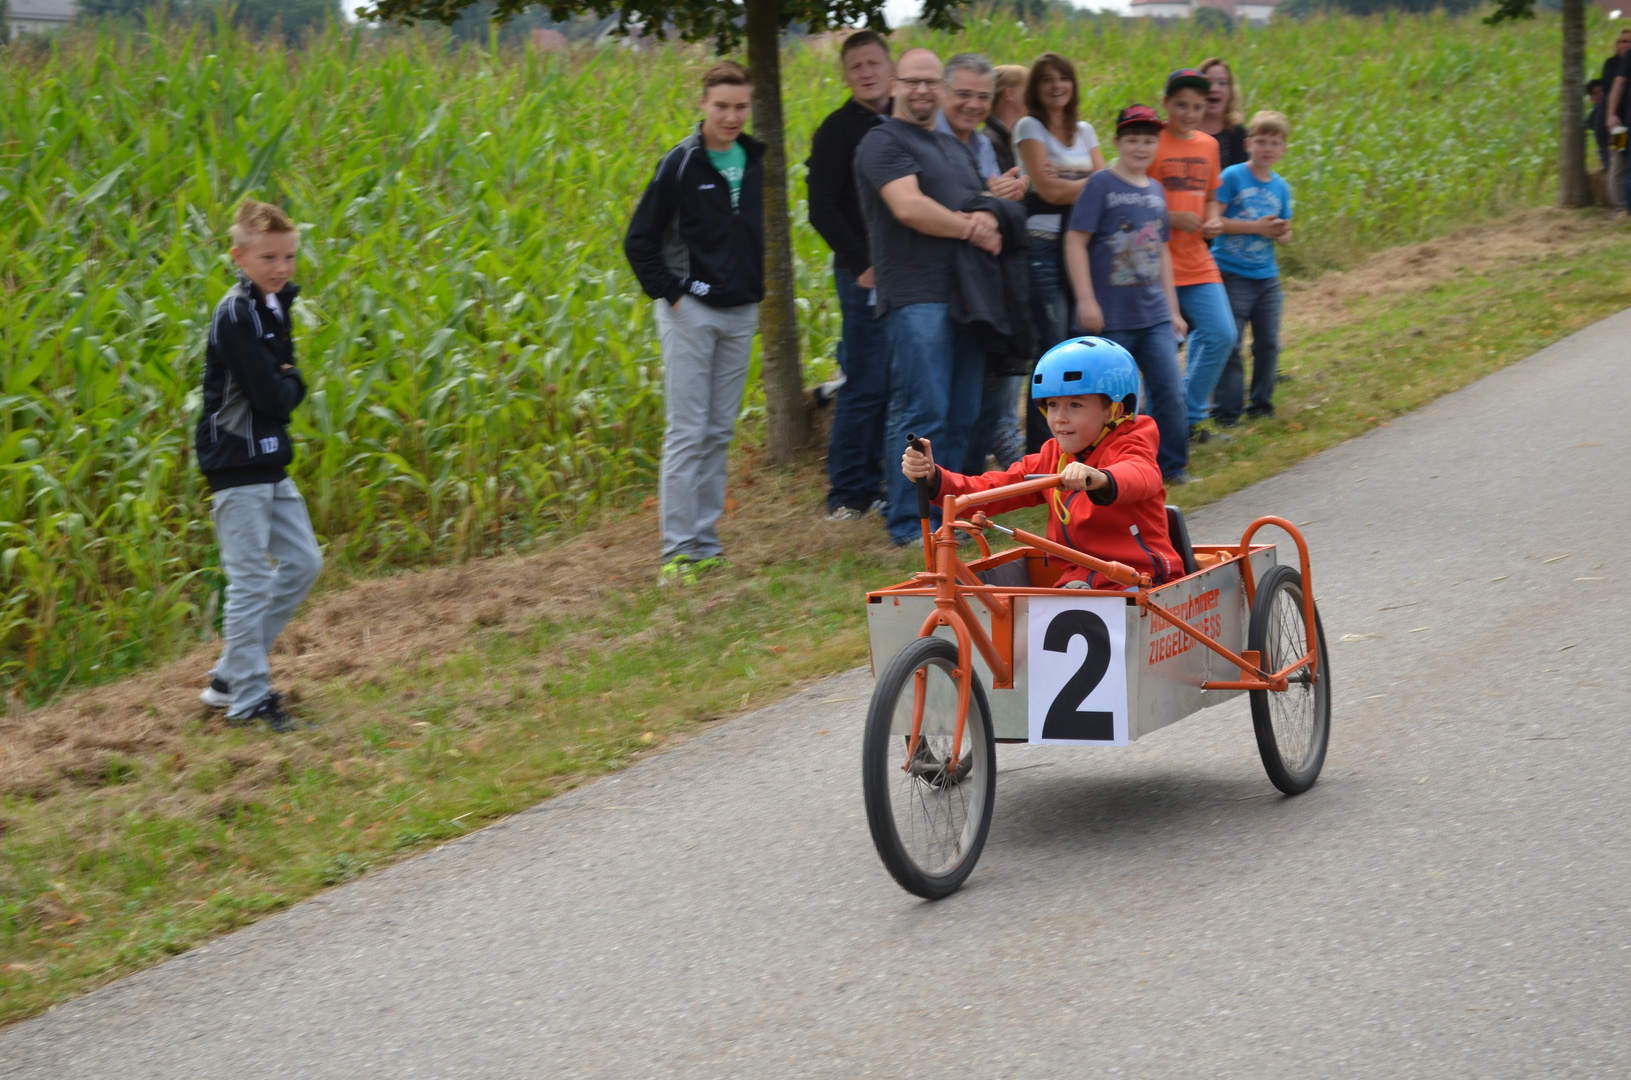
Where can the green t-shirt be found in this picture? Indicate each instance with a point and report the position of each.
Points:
(732, 165)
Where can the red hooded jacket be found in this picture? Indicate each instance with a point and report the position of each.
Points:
(1125, 522)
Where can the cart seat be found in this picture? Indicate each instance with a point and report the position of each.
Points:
(1178, 534)
(1010, 575)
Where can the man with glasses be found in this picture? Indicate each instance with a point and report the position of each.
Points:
(855, 447)
(911, 180)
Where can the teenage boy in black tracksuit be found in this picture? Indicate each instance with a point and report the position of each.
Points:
(696, 243)
(251, 385)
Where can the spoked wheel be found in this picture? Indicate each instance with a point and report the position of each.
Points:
(1294, 727)
(929, 816)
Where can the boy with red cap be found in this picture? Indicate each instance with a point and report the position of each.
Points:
(1111, 503)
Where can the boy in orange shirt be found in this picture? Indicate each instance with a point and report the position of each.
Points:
(1111, 503)
(1186, 165)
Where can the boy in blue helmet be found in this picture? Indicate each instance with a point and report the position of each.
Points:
(1111, 503)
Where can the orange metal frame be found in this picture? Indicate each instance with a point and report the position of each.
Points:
(951, 583)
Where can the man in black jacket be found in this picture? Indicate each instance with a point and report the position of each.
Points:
(696, 243)
(855, 449)
(251, 386)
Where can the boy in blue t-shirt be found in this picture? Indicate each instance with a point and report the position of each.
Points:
(1116, 253)
(1256, 215)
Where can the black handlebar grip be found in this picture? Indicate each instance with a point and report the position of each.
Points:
(923, 500)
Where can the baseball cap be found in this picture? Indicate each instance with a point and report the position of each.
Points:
(1188, 77)
(1138, 116)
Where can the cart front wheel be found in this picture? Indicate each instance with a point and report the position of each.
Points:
(929, 815)
(1293, 727)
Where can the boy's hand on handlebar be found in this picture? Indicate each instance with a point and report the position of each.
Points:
(918, 465)
(1079, 477)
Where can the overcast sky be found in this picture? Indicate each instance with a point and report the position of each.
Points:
(898, 11)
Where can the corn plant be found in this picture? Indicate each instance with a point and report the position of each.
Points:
(482, 367)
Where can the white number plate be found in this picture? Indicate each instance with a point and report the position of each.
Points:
(1078, 670)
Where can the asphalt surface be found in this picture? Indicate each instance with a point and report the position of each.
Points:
(1450, 900)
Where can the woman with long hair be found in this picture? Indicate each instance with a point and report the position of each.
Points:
(1058, 152)
(1224, 119)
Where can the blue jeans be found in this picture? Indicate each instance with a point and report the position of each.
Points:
(936, 380)
(1256, 301)
(1211, 338)
(855, 449)
(1052, 318)
(996, 430)
(1155, 351)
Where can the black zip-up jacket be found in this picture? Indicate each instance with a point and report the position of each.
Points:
(685, 238)
(835, 205)
(242, 435)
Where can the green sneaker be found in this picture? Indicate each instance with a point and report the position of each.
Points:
(680, 570)
(714, 562)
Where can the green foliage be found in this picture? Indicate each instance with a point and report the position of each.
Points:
(1301, 8)
(290, 18)
(1213, 20)
(483, 368)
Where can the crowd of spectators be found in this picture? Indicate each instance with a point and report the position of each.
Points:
(975, 222)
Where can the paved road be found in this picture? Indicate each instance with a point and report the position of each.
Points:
(1450, 900)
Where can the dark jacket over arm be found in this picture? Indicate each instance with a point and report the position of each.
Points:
(992, 293)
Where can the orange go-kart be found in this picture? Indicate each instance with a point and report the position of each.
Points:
(968, 655)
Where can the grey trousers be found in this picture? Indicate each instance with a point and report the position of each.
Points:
(1616, 179)
(255, 526)
(705, 369)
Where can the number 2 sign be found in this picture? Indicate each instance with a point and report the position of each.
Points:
(1077, 669)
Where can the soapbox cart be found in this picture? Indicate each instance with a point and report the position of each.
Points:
(971, 654)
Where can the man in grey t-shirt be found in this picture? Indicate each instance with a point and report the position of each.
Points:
(911, 180)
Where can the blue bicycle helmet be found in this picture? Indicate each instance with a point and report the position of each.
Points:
(1087, 365)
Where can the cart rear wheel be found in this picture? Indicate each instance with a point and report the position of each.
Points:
(1293, 727)
(929, 818)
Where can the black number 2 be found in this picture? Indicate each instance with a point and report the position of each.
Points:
(1066, 718)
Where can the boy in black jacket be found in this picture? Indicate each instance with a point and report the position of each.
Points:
(697, 245)
(251, 385)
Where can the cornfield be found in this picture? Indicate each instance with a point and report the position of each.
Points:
(482, 367)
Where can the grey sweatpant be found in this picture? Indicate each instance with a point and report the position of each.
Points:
(255, 526)
(705, 369)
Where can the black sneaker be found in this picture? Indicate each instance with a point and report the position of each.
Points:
(270, 709)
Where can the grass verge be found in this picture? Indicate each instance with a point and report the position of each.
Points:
(133, 825)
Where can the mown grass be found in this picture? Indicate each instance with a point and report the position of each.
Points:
(483, 370)
(141, 855)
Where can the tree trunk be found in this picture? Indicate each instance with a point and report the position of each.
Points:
(1571, 173)
(787, 422)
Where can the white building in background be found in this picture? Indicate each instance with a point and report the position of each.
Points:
(1255, 12)
(34, 16)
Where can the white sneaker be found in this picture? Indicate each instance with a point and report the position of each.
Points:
(217, 695)
(845, 513)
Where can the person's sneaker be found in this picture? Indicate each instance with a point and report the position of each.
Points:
(217, 695)
(710, 564)
(1177, 479)
(1260, 414)
(270, 709)
(1200, 435)
(845, 513)
(823, 393)
(680, 570)
(878, 506)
